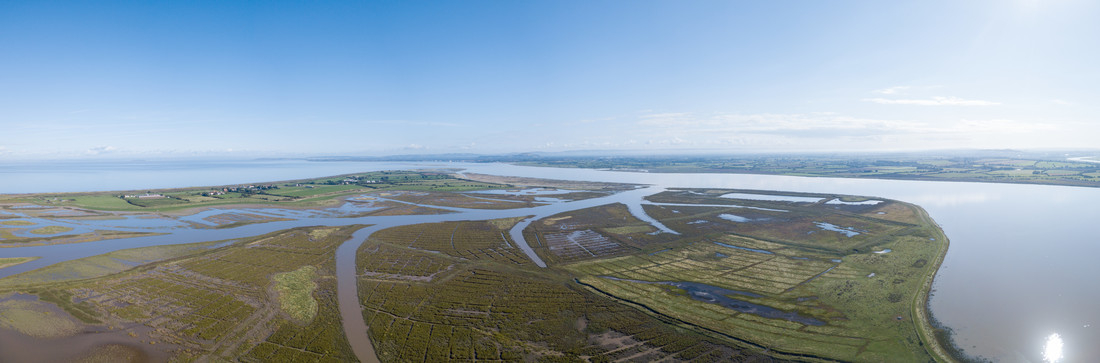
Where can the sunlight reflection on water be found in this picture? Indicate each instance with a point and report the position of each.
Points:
(1052, 353)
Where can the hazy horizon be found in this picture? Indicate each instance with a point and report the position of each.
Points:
(283, 79)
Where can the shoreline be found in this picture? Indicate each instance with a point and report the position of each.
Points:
(926, 328)
(736, 172)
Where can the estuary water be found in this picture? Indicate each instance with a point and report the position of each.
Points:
(1021, 265)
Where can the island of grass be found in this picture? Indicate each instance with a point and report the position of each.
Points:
(12, 261)
(51, 230)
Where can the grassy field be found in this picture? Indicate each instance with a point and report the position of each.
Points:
(294, 194)
(295, 289)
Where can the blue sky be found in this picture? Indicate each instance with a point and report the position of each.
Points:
(268, 78)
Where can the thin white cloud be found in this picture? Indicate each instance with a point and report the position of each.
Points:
(934, 101)
(829, 131)
(770, 123)
(416, 123)
(100, 150)
(892, 90)
(1061, 102)
(997, 126)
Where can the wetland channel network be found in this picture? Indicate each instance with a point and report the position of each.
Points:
(1019, 272)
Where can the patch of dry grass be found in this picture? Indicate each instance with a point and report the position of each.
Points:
(295, 290)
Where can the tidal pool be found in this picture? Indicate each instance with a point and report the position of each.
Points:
(745, 248)
(720, 296)
(733, 218)
(841, 202)
(847, 231)
(772, 198)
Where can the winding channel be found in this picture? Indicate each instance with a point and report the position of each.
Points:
(355, 328)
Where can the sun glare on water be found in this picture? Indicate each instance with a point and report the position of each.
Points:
(1052, 353)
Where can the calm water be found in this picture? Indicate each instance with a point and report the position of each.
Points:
(1020, 268)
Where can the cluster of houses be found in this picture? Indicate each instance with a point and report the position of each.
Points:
(144, 196)
(355, 180)
(251, 189)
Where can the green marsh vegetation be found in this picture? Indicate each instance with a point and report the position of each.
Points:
(51, 230)
(306, 193)
(268, 298)
(9, 239)
(426, 301)
(295, 289)
(868, 289)
(12, 261)
(602, 231)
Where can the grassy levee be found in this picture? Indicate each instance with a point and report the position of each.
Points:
(940, 349)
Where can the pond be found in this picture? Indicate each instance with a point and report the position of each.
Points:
(721, 296)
